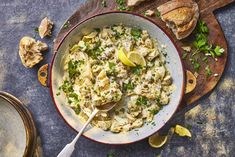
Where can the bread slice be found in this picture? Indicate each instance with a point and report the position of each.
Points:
(181, 16)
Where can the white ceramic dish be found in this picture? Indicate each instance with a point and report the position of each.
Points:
(174, 64)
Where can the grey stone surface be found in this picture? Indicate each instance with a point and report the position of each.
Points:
(212, 121)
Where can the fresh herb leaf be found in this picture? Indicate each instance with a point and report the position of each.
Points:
(136, 33)
(58, 93)
(218, 51)
(112, 70)
(208, 71)
(128, 86)
(184, 56)
(154, 111)
(142, 100)
(104, 3)
(205, 59)
(122, 5)
(158, 14)
(66, 87)
(66, 24)
(195, 64)
(136, 70)
(202, 27)
(72, 68)
(110, 154)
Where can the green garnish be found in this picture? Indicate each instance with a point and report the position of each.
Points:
(195, 63)
(154, 111)
(94, 52)
(112, 70)
(142, 100)
(66, 87)
(110, 154)
(104, 3)
(66, 24)
(122, 5)
(201, 41)
(136, 33)
(218, 50)
(58, 93)
(136, 70)
(208, 71)
(205, 59)
(184, 56)
(72, 68)
(158, 14)
(128, 86)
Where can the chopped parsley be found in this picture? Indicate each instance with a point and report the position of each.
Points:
(112, 70)
(184, 55)
(104, 3)
(196, 64)
(66, 87)
(66, 24)
(95, 51)
(122, 5)
(110, 154)
(201, 42)
(128, 86)
(218, 50)
(136, 70)
(158, 14)
(136, 33)
(72, 68)
(154, 111)
(142, 100)
(208, 71)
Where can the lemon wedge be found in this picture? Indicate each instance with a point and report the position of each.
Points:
(157, 141)
(123, 58)
(182, 131)
(136, 58)
(191, 82)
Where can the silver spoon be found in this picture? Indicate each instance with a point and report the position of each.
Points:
(68, 149)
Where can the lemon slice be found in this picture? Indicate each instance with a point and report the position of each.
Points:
(182, 131)
(123, 58)
(157, 141)
(137, 58)
(191, 82)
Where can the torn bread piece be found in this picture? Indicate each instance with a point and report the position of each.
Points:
(180, 16)
(42, 74)
(132, 3)
(45, 27)
(30, 51)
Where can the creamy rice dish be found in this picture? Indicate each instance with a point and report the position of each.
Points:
(117, 64)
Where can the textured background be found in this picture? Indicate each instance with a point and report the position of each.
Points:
(212, 120)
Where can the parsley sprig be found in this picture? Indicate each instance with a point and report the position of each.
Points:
(201, 41)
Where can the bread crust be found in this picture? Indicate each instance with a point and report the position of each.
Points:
(181, 16)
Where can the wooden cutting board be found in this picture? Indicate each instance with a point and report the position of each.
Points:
(204, 84)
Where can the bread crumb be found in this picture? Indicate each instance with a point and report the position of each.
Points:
(149, 12)
(45, 27)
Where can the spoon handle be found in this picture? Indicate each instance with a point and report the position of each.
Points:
(68, 149)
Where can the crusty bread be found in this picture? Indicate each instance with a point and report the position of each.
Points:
(181, 16)
(132, 3)
(30, 51)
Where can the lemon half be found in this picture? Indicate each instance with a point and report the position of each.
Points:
(157, 141)
(182, 131)
(136, 58)
(123, 58)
